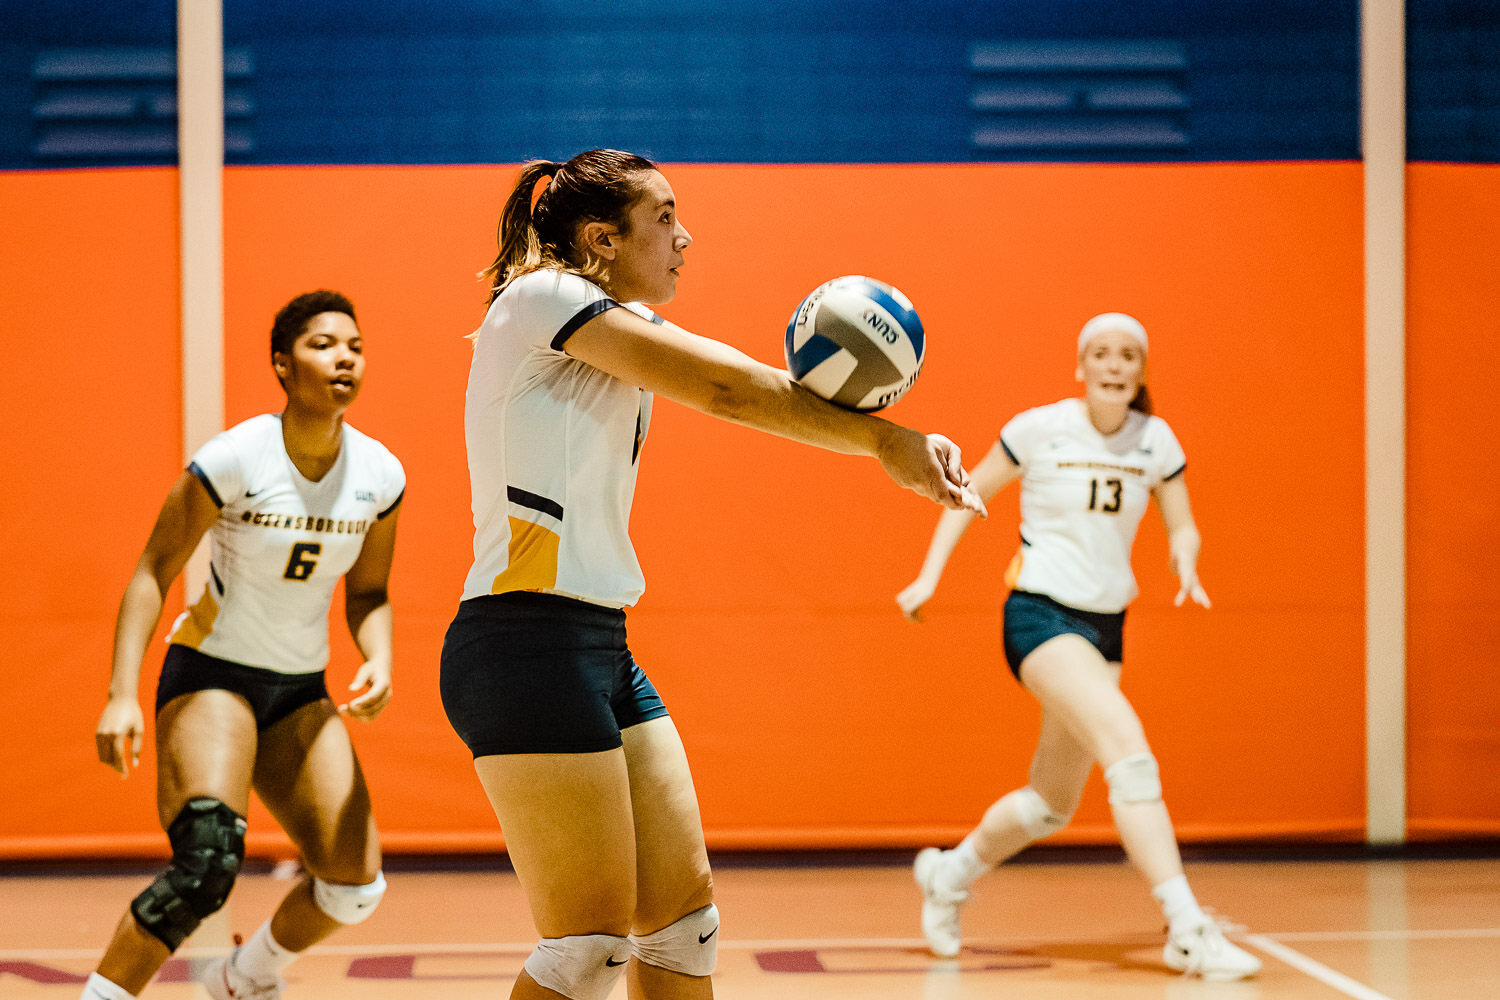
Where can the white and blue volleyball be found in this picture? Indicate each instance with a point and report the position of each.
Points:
(856, 342)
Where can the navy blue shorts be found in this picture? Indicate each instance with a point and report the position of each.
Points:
(537, 673)
(272, 695)
(1032, 619)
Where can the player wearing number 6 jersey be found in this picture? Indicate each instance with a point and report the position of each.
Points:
(292, 503)
(1088, 469)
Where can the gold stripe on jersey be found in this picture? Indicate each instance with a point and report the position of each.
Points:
(1013, 571)
(198, 623)
(533, 559)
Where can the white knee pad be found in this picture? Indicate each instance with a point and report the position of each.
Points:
(580, 966)
(348, 904)
(689, 946)
(1036, 815)
(1133, 779)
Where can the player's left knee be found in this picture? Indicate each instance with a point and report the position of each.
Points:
(1133, 779)
(349, 904)
(689, 945)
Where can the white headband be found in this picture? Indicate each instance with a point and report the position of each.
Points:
(1118, 322)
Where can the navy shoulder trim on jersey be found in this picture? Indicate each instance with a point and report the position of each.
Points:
(532, 501)
(217, 582)
(1180, 470)
(394, 504)
(583, 315)
(1008, 453)
(213, 494)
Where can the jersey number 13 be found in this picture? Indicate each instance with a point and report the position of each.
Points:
(1114, 488)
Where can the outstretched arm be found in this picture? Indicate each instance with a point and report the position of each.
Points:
(723, 382)
(993, 473)
(1183, 540)
(367, 609)
(185, 517)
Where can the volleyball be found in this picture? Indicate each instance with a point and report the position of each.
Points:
(856, 342)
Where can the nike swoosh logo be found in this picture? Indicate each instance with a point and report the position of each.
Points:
(703, 938)
(613, 964)
(257, 493)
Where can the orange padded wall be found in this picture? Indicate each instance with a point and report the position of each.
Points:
(1453, 502)
(89, 318)
(813, 714)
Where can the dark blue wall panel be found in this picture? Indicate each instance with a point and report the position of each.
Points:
(405, 81)
(1453, 80)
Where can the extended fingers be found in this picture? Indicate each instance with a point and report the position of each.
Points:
(1195, 590)
(954, 459)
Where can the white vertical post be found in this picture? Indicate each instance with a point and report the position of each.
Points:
(1383, 141)
(200, 166)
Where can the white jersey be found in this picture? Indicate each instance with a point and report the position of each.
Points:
(1082, 498)
(553, 449)
(281, 543)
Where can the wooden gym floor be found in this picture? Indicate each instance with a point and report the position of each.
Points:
(1054, 926)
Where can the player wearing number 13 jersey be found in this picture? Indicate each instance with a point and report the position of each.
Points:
(293, 503)
(1088, 469)
(1071, 473)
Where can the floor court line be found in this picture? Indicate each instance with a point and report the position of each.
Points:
(1317, 970)
(1270, 942)
(1266, 943)
(1457, 933)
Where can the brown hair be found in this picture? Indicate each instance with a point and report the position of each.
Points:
(599, 185)
(292, 319)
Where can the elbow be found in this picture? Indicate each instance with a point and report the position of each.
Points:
(1186, 539)
(366, 601)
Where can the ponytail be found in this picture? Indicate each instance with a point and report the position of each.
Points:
(1142, 401)
(520, 247)
(598, 185)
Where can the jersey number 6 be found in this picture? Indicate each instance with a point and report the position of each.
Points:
(303, 560)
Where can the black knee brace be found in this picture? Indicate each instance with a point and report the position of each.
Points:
(208, 846)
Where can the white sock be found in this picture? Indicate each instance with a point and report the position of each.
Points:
(1178, 904)
(261, 959)
(96, 987)
(961, 867)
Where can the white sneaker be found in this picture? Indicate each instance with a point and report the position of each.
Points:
(224, 982)
(939, 906)
(1205, 951)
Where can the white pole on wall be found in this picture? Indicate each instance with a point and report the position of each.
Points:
(1383, 141)
(200, 159)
